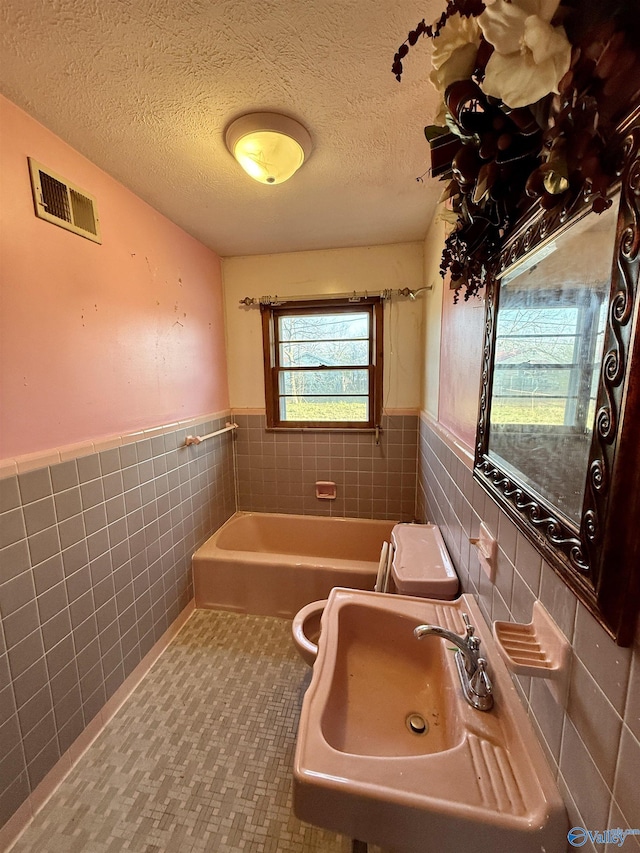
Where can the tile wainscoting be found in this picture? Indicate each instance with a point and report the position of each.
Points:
(277, 471)
(95, 557)
(593, 746)
(96, 565)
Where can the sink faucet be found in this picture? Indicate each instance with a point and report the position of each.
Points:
(472, 669)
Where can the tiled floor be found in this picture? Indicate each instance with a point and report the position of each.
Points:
(199, 758)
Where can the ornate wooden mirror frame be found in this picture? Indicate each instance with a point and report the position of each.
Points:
(599, 558)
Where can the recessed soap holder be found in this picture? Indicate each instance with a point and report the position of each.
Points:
(326, 490)
(486, 546)
(538, 649)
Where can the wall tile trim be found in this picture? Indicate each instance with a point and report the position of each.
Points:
(461, 450)
(55, 455)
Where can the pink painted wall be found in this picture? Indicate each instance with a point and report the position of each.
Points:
(104, 339)
(460, 366)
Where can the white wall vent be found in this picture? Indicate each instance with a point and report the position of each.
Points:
(64, 204)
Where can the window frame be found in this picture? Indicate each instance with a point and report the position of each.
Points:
(270, 314)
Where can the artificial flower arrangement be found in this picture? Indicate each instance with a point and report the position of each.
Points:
(531, 93)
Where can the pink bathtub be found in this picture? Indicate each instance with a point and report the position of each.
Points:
(273, 564)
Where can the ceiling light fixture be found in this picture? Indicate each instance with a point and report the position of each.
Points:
(269, 147)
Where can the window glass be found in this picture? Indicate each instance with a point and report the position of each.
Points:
(322, 363)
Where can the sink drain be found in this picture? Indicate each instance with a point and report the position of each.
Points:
(417, 724)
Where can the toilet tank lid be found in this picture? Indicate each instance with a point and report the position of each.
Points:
(421, 563)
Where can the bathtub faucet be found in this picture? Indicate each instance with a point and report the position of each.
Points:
(472, 669)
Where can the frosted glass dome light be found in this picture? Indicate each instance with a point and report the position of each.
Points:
(269, 147)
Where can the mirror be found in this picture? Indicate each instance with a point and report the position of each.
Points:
(559, 413)
(548, 348)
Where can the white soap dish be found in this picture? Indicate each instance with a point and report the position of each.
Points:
(538, 649)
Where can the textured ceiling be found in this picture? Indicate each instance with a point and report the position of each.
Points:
(146, 88)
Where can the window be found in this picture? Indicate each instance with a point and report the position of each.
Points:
(323, 363)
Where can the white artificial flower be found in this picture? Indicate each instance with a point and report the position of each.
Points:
(454, 52)
(530, 55)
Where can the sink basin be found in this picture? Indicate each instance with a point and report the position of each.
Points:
(382, 693)
(390, 752)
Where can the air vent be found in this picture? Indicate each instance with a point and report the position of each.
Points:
(64, 204)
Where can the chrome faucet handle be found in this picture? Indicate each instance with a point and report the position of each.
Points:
(480, 683)
(473, 642)
(467, 624)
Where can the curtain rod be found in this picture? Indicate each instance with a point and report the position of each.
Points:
(354, 297)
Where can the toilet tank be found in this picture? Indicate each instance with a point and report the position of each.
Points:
(421, 563)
